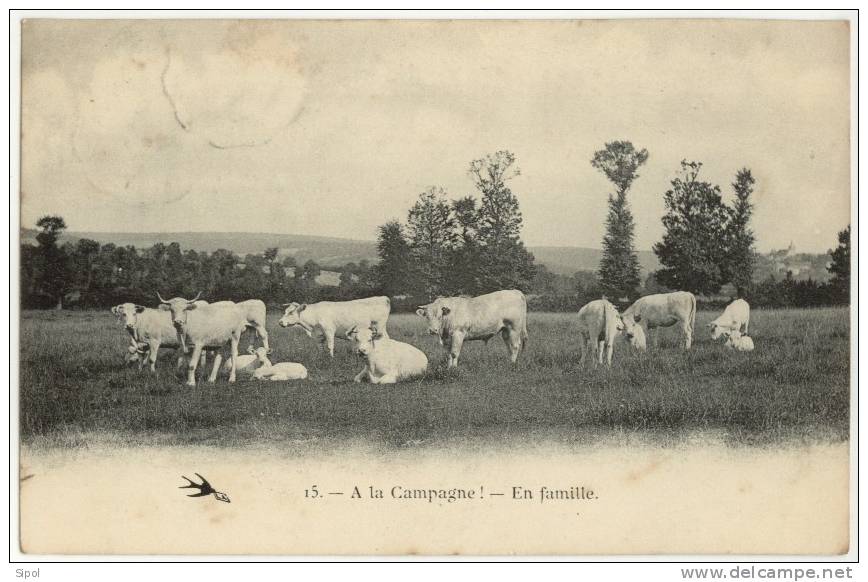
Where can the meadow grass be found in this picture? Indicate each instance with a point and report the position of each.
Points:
(74, 388)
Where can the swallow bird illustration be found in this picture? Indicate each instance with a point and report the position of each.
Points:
(204, 488)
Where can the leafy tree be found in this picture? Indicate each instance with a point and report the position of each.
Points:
(691, 252)
(55, 274)
(305, 278)
(466, 255)
(739, 238)
(619, 271)
(85, 259)
(430, 228)
(393, 270)
(840, 266)
(504, 262)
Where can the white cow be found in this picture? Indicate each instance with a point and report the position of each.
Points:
(206, 325)
(455, 320)
(735, 317)
(387, 361)
(149, 330)
(254, 312)
(281, 372)
(331, 318)
(737, 341)
(599, 324)
(661, 310)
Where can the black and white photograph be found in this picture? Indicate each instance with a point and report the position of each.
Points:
(434, 286)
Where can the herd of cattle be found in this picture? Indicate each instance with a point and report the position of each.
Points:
(205, 327)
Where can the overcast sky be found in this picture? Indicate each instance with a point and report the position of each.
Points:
(332, 128)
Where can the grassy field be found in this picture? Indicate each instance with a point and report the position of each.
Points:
(795, 387)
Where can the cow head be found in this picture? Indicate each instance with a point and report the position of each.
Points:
(717, 330)
(127, 314)
(179, 307)
(261, 355)
(634, 332)
(435, 313)
(732, 337)
(364, 339)
(292, 314)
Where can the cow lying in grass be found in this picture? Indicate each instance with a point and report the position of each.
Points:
(256, 364)
(281, 372)
(737, 341)
(386, 361)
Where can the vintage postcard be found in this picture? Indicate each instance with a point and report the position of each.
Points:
(383, 287)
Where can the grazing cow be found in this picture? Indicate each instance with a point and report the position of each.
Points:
(737, 341)
(735, 317)
(455, 320)
(661, 310)
(281, 372)
(387, 361)
(328, 318)
(599, 324)
(206, 325)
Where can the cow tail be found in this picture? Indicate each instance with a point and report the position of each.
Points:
(606, 337)
(692, 313)
(524, 336)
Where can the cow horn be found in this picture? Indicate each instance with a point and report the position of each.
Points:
(160, 297)
(196, 298)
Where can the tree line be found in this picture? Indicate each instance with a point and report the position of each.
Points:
(468, 245)
(87, 274)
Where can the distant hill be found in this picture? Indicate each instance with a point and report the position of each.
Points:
(336, 252)
(327, 251)
(568, 260)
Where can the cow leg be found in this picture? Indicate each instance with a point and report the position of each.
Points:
(387, 379)
(263, 336)
(153, 350)
(361, 376)
(455, 349)
(746, 323)
(191, 365)
(330, 343)
(215, 369)
(688, 336)
(512, 338)
(236, 337)
(610, 346)
(601, 348)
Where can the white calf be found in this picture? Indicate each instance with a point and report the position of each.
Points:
(738, 342)
(735, 317)
(248, 363)
(386, 361)
(281, 372)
